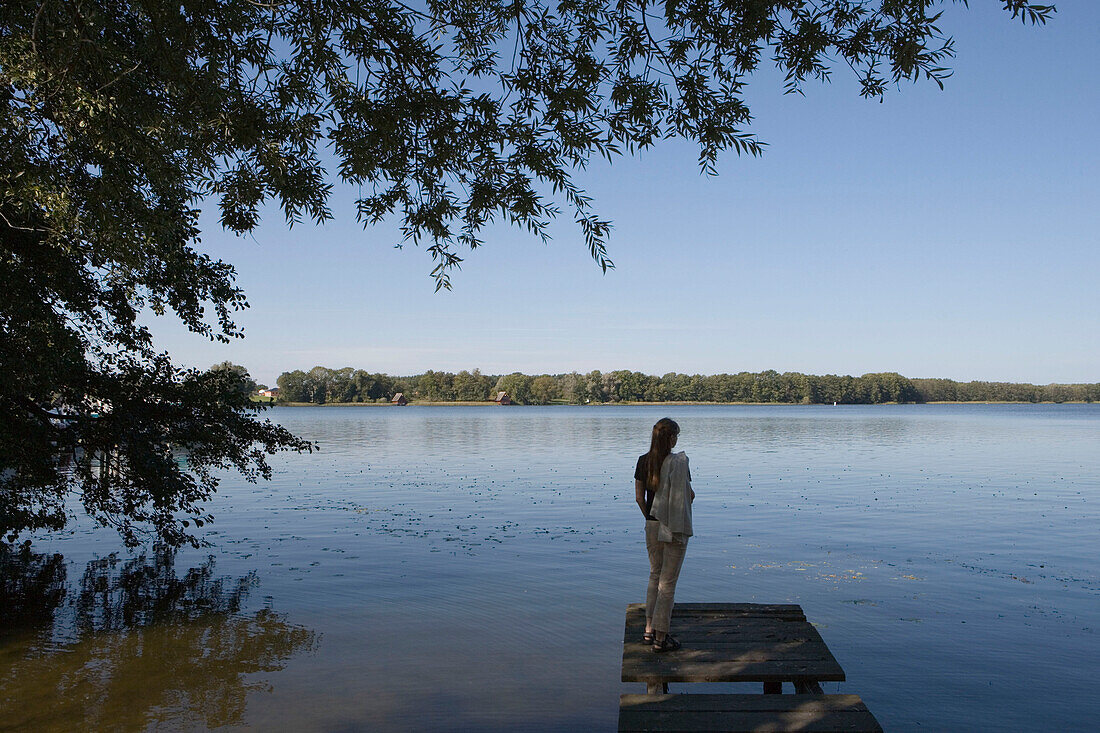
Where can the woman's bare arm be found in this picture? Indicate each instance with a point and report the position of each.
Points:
(639, 496)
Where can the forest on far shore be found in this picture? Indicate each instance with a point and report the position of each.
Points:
(321, 385)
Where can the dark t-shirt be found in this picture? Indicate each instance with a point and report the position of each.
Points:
(639, 475)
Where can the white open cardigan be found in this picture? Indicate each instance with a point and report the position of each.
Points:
(672, 502)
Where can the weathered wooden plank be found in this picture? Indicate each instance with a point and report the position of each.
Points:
(727, 624)
(718, 623)
(728, 671)
(726, 607)
(637, 653)
(677, 614)
(734, 713)
(720, 620)
(638, 616)
(736, 702)
(795, 665)
(658, 664)
(731, 640)
(748, 722)
(644, 654)
(738, 606)
(779, 645)
(755, 627)
(785, 649)
(767, 634)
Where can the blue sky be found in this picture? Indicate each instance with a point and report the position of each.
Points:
(947, 234)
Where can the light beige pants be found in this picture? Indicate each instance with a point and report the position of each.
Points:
(665, 561)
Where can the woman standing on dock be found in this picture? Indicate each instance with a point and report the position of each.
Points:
(662, 488)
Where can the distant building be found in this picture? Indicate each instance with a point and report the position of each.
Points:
(399, 399)
(273, 392)
(502, 398)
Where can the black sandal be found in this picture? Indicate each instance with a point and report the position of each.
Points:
(647, 637)
(667, 644)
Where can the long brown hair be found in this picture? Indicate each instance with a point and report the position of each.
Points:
(660, 445)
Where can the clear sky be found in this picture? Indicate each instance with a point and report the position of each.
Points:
(949, 234)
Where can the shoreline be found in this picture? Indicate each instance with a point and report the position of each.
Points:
(486, 403)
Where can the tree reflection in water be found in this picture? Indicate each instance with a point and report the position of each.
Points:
(132, 645)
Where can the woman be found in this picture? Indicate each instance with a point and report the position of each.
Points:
(662, 488)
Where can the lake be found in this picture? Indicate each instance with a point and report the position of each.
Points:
(468, 568)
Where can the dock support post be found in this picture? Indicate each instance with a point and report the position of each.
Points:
(807, 687)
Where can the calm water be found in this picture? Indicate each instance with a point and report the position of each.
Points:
(467, 569)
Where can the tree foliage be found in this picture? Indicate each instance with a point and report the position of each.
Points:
(624, 386)
(120, 120)
(449, 114)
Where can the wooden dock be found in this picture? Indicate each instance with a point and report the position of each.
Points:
(771, 644)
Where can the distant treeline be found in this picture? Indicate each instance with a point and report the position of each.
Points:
(320, 385)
